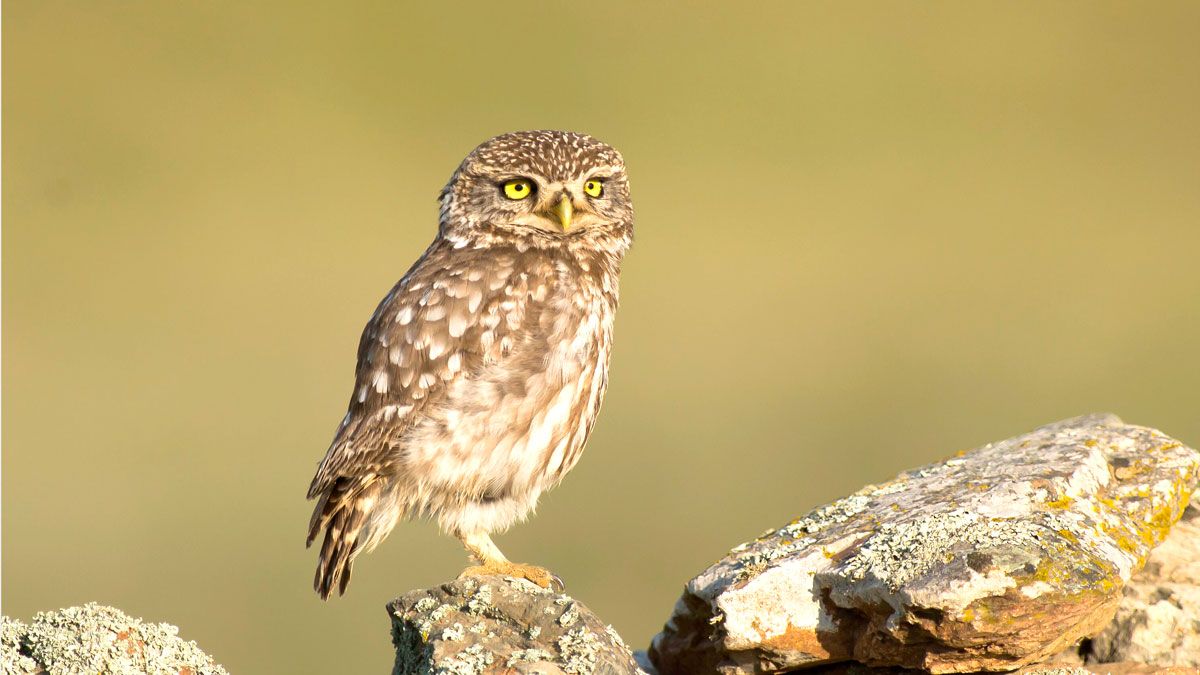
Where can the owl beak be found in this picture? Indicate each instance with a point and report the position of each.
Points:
(564, 210)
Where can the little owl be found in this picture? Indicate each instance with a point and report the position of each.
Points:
(481, 372)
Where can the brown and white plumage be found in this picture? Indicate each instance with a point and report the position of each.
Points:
(481, 373)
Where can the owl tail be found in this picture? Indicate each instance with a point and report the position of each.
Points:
(342, 512)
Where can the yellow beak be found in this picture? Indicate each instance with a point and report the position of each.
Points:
(564, 210)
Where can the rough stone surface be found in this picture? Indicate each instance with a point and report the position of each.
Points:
(98, 639)
(1158, 620)
(996, 558)
(850, 668)
(502, 625)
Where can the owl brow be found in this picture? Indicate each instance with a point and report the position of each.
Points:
(601, 173)
(531, 176)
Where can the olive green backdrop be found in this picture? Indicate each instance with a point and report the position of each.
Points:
(868, 235)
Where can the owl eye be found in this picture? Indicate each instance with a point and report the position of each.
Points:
(518, 188)
(594, 188)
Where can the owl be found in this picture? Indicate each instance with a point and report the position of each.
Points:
(481, 373)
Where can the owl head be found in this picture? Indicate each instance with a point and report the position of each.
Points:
(539, 188)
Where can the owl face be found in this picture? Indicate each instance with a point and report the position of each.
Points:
(542, 186)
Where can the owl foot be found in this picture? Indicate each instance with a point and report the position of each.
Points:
(538, 575)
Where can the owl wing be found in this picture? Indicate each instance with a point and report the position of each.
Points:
(422, 337)
(454, 313)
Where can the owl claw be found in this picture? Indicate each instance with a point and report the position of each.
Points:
(538, 575)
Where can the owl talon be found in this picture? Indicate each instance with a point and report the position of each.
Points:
(538, 575)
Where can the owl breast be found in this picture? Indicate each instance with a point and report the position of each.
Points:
(514, 429)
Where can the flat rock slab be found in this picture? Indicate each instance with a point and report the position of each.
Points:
(992, 560)
(502, 625)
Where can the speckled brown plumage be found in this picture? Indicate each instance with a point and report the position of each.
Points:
(481, 373)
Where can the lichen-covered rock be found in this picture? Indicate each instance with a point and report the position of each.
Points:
(1124, 668)
(13, 661)
(994, 559)
(1158, 620)
(502, 625)
(98, 639)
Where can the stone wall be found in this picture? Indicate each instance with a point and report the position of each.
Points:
(1067, 550)
(1040, 554)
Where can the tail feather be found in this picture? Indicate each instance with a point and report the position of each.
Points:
(342, 512)
(330, 502)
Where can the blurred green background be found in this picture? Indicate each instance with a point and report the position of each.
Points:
(869, 235)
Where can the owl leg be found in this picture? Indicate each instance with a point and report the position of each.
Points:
(493, 563)
(482, 549)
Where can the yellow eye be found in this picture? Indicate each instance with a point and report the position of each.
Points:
(594, 188)
(518, 188)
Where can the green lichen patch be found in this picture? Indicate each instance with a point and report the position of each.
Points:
(579, 650)
(12, 659)
(528, 656)
(474, 660)
(98, 639)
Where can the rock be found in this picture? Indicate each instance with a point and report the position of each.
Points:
(1123, 668)
(99, 639)
(994, 559)
(851, 668)
(502, 625)
(1158, 620)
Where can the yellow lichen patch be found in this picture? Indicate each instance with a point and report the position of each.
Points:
(1067, 568)
(979, 613)
(1062, 502)
(1159, 524)
(1124, 539)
